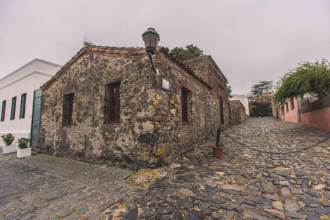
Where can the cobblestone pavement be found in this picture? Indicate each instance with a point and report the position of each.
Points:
(46, 187)
(258, 180)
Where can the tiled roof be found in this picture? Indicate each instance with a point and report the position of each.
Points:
(187, 67)
(126, 51)
(200, 64)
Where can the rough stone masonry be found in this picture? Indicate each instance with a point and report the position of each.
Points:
(150, 131)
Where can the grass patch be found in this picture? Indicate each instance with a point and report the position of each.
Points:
(122, 166)
(127, 177)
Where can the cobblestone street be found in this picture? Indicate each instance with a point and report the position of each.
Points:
(48, 187)
(263, 179)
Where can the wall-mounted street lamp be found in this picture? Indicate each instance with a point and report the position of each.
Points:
(151, 39)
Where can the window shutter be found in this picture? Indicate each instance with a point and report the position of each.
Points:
(112, 99)
(13, 108)
(3, 111)
(107, 104)
(22, 108)
(184, 100)
(67, 109)
(221, 111)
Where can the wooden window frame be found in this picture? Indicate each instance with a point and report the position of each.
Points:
(222, 119)
(3, 110)
(67, 109)
(112, 103)
(23, 106)
(292, 103)
(287, 107)
(13, 108)
(185, 108)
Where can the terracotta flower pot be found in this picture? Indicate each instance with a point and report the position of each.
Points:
(217, 151)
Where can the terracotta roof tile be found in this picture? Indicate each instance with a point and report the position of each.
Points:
(129, 51)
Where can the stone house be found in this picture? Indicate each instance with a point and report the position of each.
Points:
(122, 105)
(244, 100)
(237, 112)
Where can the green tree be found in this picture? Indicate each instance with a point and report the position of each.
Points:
(307, 78)
(191, 51)
(259, 99)
(229, 91)
(259, 89)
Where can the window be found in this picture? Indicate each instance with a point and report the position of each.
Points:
(185, 93)
(22, 108)
(112, 104)
(287, 107)
(292, 104)
(221, 111)
(67, 109)
(13, 108)
(3, 110)
(282, 110)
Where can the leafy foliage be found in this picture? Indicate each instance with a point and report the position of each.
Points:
(229, 91)
(259, 89)
(260, 99)
(266, 97)
(8, 139)
(307, 78)
(219, 144)
(23, 142)
(260, 109)
(191, 51)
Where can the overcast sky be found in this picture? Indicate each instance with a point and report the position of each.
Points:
(250, 40)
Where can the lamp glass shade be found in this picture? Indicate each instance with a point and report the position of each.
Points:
(151, 39)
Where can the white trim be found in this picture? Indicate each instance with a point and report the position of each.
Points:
(34, 72)
(48, 62)
(35, 60)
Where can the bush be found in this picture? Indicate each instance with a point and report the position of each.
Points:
(23, 142)
(219, 144)
(307, 78)
(8, 139)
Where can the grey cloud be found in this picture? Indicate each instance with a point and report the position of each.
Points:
(251, 41)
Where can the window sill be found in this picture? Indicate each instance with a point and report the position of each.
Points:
(113, 122)
(186, 123)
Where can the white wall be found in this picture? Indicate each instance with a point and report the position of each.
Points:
(26, 79)
(244, 100)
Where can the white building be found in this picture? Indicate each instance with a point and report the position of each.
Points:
(244, 100)
(17, 95)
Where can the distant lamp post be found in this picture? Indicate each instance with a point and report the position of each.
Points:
(151, 39)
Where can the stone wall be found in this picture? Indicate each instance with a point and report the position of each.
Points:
(237, 112)
(150, 132)
(204, 106)
(130, 141)
(203, 112)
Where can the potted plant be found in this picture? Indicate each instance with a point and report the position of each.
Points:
(23, 150)
(217, 150)
(9, 147)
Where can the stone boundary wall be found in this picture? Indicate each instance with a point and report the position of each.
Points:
(317, 105)
(237, 112)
